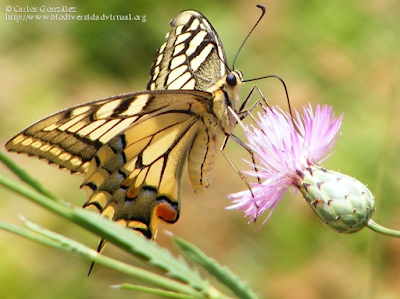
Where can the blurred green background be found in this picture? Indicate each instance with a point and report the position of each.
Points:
(336, 52)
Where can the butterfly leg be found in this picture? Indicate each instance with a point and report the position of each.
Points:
(241, 175)
(241, 115)
(251, 153)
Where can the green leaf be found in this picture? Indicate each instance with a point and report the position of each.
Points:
(58, 207)
(223, 274)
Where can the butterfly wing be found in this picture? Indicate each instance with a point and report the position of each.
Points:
(70, 138)
(138, 145)
(192, 56)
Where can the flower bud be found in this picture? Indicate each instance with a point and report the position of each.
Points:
(341, 202)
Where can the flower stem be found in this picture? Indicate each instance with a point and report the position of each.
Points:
(383, 230)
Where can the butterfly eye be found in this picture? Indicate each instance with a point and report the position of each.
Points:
(231, 80)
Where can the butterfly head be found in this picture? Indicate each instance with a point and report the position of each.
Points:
(230, 86)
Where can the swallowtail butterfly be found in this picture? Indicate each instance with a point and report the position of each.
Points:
(132, 149)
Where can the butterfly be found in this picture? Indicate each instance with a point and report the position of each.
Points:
(132, 149)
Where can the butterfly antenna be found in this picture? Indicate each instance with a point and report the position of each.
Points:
(287, 96)
(252, 29)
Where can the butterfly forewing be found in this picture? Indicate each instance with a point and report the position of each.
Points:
(70, 138)
(192, 56)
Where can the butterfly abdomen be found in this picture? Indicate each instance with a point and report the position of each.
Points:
(201, 160)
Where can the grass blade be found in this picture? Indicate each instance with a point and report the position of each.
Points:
(41, 235)
(114, 233)
(25, 177)
(152, 291)
(223, 274)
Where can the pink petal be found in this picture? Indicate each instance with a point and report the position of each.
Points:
(282, 145)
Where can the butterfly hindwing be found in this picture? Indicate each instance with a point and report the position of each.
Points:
(192, 56)
(136, 177)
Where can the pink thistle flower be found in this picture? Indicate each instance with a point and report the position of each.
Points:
(285, 147)
(289, 150)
